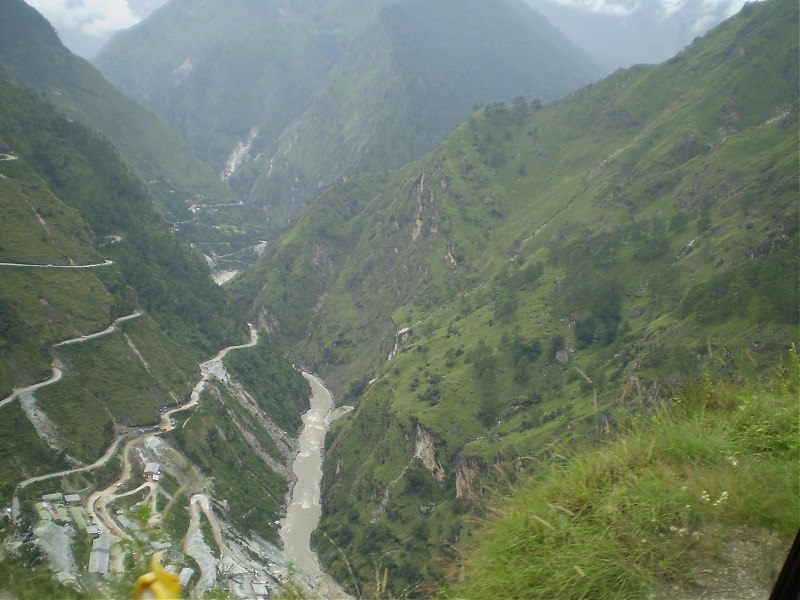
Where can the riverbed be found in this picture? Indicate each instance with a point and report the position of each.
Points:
(304, 510)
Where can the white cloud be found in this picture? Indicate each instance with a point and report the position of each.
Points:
(670, 7)
(94, 17)
(611, 7)
(730, 7)
(664, 8)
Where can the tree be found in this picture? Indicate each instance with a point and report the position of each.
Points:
(483, 360)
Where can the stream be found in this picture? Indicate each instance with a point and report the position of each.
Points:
(304, 510)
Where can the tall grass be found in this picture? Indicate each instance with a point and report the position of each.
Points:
(641, 511)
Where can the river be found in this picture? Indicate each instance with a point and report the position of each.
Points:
(304, 510)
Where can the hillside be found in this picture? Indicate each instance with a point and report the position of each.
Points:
(282, 98)
(544, 268)
(32, 56)
(107, 323)
(674, 508)
(69, 202)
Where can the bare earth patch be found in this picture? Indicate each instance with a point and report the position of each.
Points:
(745, 567)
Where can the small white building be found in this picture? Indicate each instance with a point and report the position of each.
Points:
(152, 470)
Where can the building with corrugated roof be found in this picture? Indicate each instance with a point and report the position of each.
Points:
(100, 555)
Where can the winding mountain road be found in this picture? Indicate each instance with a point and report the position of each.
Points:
(110, 329)
(57, 373)
(213, 367)
(105, 263)
(98, 501)
(56, 364)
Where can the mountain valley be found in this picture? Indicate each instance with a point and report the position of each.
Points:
(558, 317)
(339, 87)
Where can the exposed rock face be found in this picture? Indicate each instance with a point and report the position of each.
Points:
(468, 479)
(425, 450)
(267, 322)
(400, 339)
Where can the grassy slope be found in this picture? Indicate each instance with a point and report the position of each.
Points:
(42, 306)
(660, 202)
(85, 172)
(656, 509)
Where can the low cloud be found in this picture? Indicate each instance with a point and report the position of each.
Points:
(663, 8)
(93, 17)
(610, 7)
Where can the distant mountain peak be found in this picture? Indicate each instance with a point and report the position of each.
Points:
(332, 87)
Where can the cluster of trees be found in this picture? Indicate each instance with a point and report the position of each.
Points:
(509, 283)
(485, 361)
(280, 391)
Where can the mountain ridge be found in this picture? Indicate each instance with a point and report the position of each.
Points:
(367, 104)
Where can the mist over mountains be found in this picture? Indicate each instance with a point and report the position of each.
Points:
(284, 99)
(620, 34)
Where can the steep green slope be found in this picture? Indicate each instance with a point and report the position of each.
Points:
(552, 265)
(170, 283)
(31, 55)
(104, 316)
(81, 247)
(405, 82)
(659, 512)
(286, 97)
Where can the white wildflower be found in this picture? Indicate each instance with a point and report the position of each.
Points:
(722, 498)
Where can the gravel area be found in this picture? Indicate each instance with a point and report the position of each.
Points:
(197, 548)
(56, 542)
(746, 568)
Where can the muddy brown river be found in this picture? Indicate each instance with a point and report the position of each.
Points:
(304, 510)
